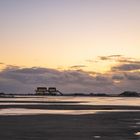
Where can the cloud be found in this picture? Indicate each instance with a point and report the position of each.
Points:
(133, 76)
(16, 79)
(78, 66)
(115, 58)
(2, 63)
(36, 70)
(104, 58)
(123, 76)
(117, 77)
(122, 63)
(126, 67)
(110, 57)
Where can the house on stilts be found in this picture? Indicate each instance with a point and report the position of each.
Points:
(47, 91)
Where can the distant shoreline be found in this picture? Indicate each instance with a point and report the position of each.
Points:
(123, 94)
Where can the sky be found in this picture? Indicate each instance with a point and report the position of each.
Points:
(86, 45)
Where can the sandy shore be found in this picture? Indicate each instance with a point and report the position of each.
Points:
(104, 126)
(101, 125)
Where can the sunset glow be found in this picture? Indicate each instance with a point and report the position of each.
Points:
(93, 36)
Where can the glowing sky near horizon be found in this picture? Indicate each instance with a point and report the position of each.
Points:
(63, 33)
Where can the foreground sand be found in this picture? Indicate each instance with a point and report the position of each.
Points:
(101, 125)
(104, 126)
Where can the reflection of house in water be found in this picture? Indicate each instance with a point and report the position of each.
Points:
(49, 91)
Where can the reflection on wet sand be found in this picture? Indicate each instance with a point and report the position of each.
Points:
(137, 133)
(104, 126)
(133, 101)
(70, 118)
(24, 111)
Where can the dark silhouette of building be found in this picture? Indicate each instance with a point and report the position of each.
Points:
(41, 91)
(129, 94)
(49, 91)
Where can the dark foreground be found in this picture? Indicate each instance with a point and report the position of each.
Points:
(103, 126)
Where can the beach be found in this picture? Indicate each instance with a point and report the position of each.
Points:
(106, 122)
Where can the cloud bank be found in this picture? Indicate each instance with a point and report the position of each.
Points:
(123, 76)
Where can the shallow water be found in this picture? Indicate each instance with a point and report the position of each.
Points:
(25, 118)
(24, 111)
(59, 100)
(126, 101)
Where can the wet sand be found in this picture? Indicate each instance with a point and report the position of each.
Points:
(70, 107)
(101, 125)
(104, 126)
